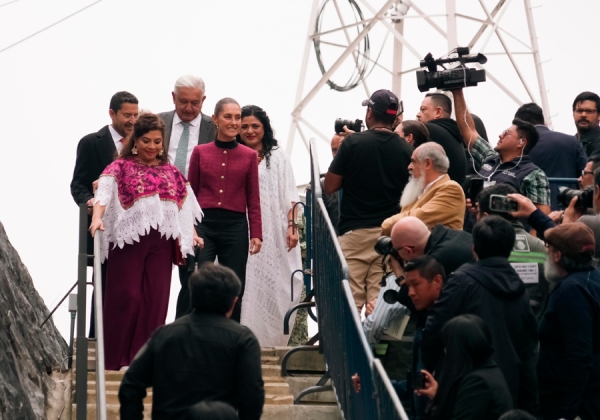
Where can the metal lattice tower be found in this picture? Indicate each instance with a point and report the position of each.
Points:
(392, 15)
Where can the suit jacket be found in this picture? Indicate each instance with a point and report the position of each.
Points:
(207, 128)
(199, 357)
(94, 153)
(559, 155)
(443, 203)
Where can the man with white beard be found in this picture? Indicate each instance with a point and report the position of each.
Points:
(569, 360)
(430, 194)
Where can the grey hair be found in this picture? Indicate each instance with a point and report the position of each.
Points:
(436, 153)
(224, 101)
(190, 81)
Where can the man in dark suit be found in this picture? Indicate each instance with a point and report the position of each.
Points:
(204, 356)
(559, 155)
(185, 128)
(96, 151)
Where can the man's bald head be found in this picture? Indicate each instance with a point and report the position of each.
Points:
(336, 140)
(412, 233)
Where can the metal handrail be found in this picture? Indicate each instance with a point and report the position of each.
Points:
(98, 315)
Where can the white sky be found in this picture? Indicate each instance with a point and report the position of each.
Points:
(55, 88)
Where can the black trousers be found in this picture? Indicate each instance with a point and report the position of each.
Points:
(225, 235)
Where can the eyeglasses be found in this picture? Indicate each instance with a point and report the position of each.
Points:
(507, 132)
(585, 111)
(584, 173)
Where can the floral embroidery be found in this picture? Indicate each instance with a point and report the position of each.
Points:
(136, 181)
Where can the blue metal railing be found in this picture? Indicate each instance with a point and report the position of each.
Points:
(342, 340)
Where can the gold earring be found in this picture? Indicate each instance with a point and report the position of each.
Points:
(134, 150)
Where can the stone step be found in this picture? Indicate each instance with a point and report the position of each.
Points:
(271, 370)
(270, 412)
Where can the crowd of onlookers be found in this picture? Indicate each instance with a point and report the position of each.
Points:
(476, 272)
(483, 295)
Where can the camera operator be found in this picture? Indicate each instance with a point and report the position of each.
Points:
(509, 162)
(569, 361)
(529, 253)
(435, 112)
(540, 222)
(491, 289)
(430, 194)
(372, 168)
(424, 278)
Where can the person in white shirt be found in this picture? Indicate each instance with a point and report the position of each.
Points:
(185, 128)
(97, 150)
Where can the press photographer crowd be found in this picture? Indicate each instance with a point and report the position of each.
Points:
(474, 267)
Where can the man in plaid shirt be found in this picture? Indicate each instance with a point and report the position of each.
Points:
(508, 162)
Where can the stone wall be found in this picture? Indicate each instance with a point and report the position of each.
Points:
(28, 354)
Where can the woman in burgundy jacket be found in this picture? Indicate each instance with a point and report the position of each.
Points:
(224, 177)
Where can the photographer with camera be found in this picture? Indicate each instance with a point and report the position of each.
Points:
(491, 289)
(579, 202)
(529, 253)
(509, 161)
(430, 194)
(372, 168)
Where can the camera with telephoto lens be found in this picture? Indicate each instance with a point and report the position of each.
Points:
(356, 125)
(454, 78)
(585, 198)
(384, 246)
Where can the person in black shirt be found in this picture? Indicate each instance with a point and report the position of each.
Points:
(435, 112)
(372, 169)
(203, 356)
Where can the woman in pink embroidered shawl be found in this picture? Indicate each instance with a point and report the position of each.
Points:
(147, 211)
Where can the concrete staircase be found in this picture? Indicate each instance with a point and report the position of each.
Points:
(279, 392)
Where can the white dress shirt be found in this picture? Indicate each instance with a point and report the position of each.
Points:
(116, 138)
(176, 131)
(428, 186)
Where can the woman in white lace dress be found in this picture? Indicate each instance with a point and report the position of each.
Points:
(268, 295)
(147, 211)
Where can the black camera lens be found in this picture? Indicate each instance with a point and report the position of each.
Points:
(384, 245)
(355, 125)
(585, 197)
(391, 297)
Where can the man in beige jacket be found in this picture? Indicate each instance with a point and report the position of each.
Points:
(430, 195)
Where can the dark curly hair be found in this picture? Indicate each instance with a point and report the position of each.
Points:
(268, 140)
(145, 123)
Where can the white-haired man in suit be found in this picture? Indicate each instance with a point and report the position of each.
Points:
(185, 128)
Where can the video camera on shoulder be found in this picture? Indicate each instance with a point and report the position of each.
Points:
(356, 125)
(585, 198)
(454, 78)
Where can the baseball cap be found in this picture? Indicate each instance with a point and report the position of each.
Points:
(382, 101)
(574, 240)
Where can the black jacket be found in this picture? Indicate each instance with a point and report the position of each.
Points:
(481, 395)
(492, 290)
(569, 362)
(451, 248)
(445, 132)
(198, 357)
(94, 153)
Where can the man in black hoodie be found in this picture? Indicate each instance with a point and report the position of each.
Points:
(491, 289)
(435, 112)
